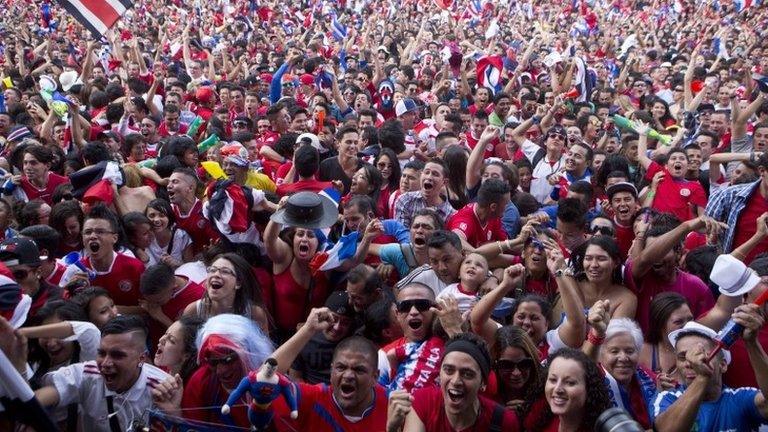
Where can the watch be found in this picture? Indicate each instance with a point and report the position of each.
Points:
(565, 271)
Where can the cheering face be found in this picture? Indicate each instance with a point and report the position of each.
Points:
(118, 358)
(413, 312)
(227, 366)
(432, 179)
(305, 244)
(598, 265)
(170, 348)
(686, 372)
(530, 318)
(99, 238)
(353, 376)
(34, 169)
(565, 389)
(57, 350)
(180, 188)
(421, 228)
(221, 282)
(460, 382)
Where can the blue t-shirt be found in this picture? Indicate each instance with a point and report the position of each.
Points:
(392, 254)
(735, 410)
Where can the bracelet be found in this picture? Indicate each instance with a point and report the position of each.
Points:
(594, 339)
(498, 243)
(508, 243)
(650, 194)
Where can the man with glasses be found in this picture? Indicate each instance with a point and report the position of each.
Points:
(242, 124)
(102, 266)
(416, 356)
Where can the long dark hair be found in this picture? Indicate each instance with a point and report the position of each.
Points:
(661, 308)
(511, 336)
(605, 243)
(597, 399)
(394, 179)
(191, 325)
(455, 161)
(64, 311)
(249, 287)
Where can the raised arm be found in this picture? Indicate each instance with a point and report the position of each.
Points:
(318, 320)
(475, 161)
(480, 315)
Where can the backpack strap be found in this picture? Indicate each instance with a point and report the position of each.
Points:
(538, 157)
(497, 419)
(410, 258)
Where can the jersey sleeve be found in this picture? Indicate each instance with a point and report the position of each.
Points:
(391, 254)
(459, 222)
(663, 401)
(67, 382)
(653, 168)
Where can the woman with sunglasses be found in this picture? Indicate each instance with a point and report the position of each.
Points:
(230, 288)
(228, 347)
(516, 365)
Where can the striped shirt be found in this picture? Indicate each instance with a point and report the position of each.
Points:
(726, 206)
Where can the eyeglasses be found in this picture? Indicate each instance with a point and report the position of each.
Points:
(240, 124)
(224, 361)
(604, 230)
(523, 365)
(421, 305)
(98, 232)
(223, 270)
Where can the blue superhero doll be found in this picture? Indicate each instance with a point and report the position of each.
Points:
(264, 386)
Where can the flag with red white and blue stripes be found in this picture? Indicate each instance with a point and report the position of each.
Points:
(98, 16)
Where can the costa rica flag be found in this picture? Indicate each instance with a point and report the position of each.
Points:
(489, 69)
(98, 16)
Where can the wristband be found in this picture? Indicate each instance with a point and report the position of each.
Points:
(595, 339)
(498, 243)
(650, 194)
(536, 119)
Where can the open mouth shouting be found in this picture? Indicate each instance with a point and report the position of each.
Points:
(94, 246)
(455, 396)
(427, 185)
(303, 250)
(347, 390)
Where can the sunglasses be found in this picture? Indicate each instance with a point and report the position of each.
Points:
(536, 243)
(240, 124)
(224, 361)
(559, 136)
(421, 305)
(604, 230)
(523, 365)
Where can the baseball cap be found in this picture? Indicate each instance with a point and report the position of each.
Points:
(338, 303)
(307, 79)
(20, 251)
(235, 152)
(621, 187)
(309, 138)
(700, 329)
(266, 77)
(405, 105)
(203, 94)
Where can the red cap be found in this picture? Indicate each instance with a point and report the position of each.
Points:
(204, 95)
(307, 79)
(267, 77)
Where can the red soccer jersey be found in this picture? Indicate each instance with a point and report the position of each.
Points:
(121, 280)
(418, 363)
(174, 307)
(199, 228)
(747, 225)
(429, 406)
(477, 234)
(318, 412)
(679, 197)
(489, 148)
(33, 192)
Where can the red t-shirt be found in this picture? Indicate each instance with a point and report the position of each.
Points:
(747, 225)
(46, 194)
(429, 406)
(679, 197)
(625, 235)
(418, 363)
(318, 412)
(162, 130)
(179, 300)
(200, 229)
(122, 279)
(489, 148)
(302, 185)
(740, 372)
(477, 234)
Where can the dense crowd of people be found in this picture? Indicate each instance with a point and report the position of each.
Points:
(397, 215)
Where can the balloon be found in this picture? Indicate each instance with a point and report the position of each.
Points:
(148, 163)
(626, 123)
(214, 170)
(194, 126)
(206, 144)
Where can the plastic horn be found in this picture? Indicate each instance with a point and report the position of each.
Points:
(74, 258)
(207, 143)
(626, 123)
(148, 163)
(194, 126)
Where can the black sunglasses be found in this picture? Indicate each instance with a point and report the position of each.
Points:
(604, 230)
(240, 124)
(559, 136)
(421, 305)
(523, 365)
(224, 361)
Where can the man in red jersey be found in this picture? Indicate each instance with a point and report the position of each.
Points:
(479, 223)
(456, 405)
(353, 402)
(116, 272)
(189, 210)
(37, 182)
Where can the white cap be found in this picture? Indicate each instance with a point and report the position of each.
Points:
(311, 138)
(700, 329)
(733, 276)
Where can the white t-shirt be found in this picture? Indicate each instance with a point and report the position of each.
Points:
(180, 241)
